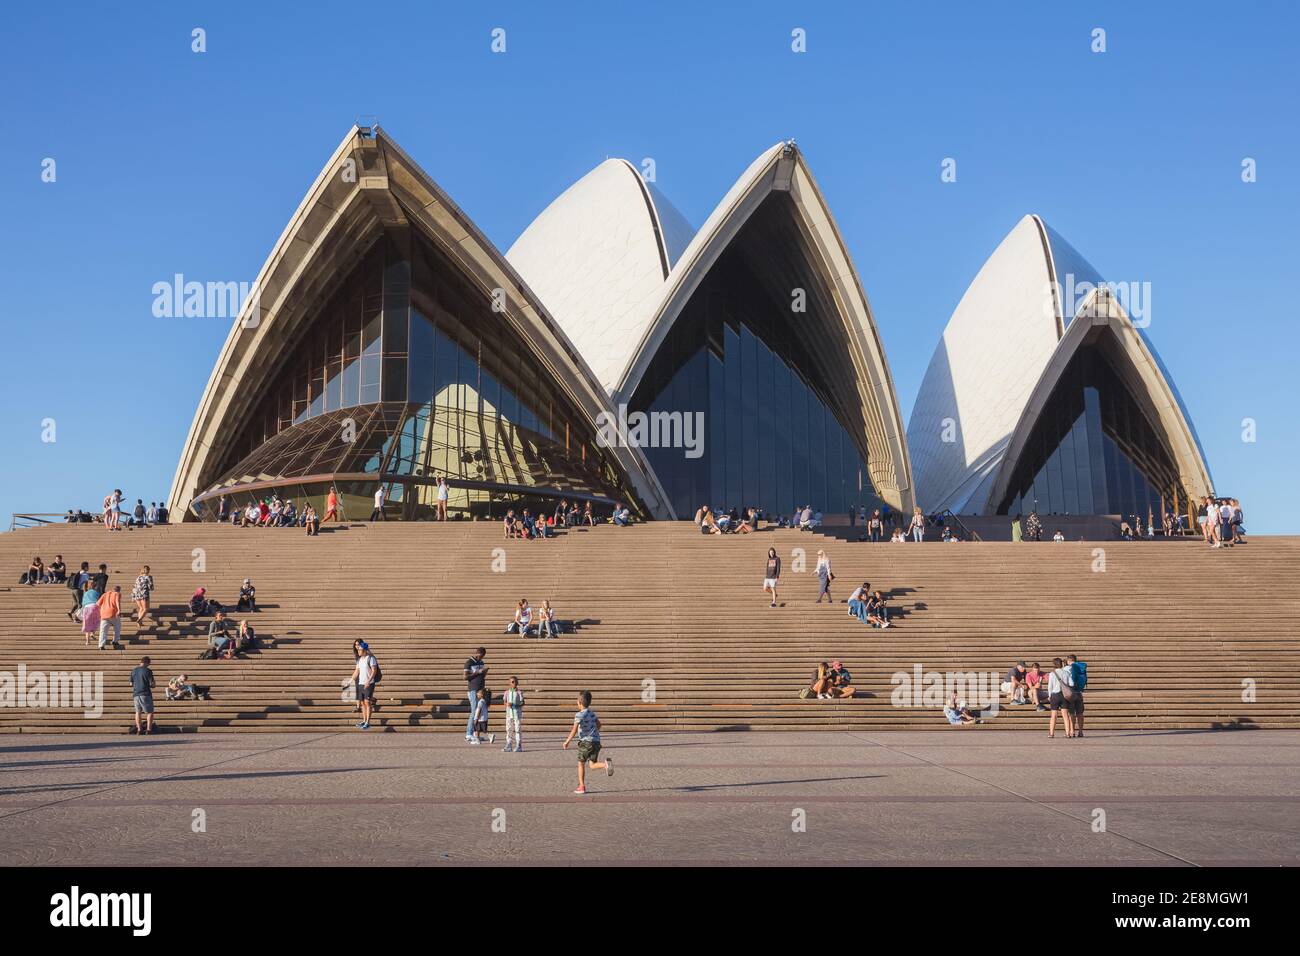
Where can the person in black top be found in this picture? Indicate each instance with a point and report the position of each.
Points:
(142, 696)
(475, 679)
(58, 570)
(77, 584)
(99, 580)
(772, 574)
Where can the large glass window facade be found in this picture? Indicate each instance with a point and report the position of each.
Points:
(406, 374)
(740, 357)
(1094, 450)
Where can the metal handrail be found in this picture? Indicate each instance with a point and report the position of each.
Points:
(36, 519)
(952, 516)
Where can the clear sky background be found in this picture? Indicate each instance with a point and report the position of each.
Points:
(170, 161)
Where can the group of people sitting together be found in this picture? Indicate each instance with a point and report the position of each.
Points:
(227, 639)
(869, 606)
(710, 521)
(567, 514)
(270, 513)
(38, 572)
(829, 681)
(543, 622)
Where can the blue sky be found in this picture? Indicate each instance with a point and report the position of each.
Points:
(170, 161)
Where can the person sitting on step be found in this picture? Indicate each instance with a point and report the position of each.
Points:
(200, 605)
(181, 688)
(523, 619)
(841, 680)
(877, 614)
(247, 596)
(546, 620)
(958, 714)
(35, 572)
(219, 637)
(245, 638)
(858, 602)
(820, 686)
(1036, 686)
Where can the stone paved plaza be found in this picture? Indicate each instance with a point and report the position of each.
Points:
(965, 796)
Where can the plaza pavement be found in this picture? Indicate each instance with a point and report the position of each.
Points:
(960, 796)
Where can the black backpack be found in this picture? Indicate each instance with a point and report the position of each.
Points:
(379, 674)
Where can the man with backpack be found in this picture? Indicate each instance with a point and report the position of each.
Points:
(1079, 671)
(366, 674)
(77, 582)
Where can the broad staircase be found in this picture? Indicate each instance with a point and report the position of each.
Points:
(670, 628)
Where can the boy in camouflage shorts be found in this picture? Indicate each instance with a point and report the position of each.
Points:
(586, 726)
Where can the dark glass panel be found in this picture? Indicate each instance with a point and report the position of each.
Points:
(782, 496)
(735, 423)
(749, 416)
(420, 381)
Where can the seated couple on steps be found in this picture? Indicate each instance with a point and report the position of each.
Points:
(545, 624)
(869, 606)
(829, 681)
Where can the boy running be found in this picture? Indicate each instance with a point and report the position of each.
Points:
(586, 725)
(514, 701)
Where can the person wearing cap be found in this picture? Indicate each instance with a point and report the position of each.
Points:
(841, 681)
(1016, 684)
(142, 684)
(247, 596)
(364, 674)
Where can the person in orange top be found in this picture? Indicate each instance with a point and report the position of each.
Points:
(110, 616)
(331, 506)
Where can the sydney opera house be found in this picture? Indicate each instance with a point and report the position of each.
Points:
(389, 342)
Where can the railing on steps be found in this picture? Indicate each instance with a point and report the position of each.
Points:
(952, 518)
(34, 519)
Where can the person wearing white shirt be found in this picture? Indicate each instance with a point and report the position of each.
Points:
(443, 494)
(523, 618)
(378, 513)
(364, 674)
(858, 602)
(1059, 678)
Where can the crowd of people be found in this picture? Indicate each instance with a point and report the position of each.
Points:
(1222, 522)
(567, 514)
(114, 516)
(734, 521)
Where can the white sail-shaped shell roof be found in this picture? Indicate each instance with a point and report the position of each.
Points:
(1006, 345)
